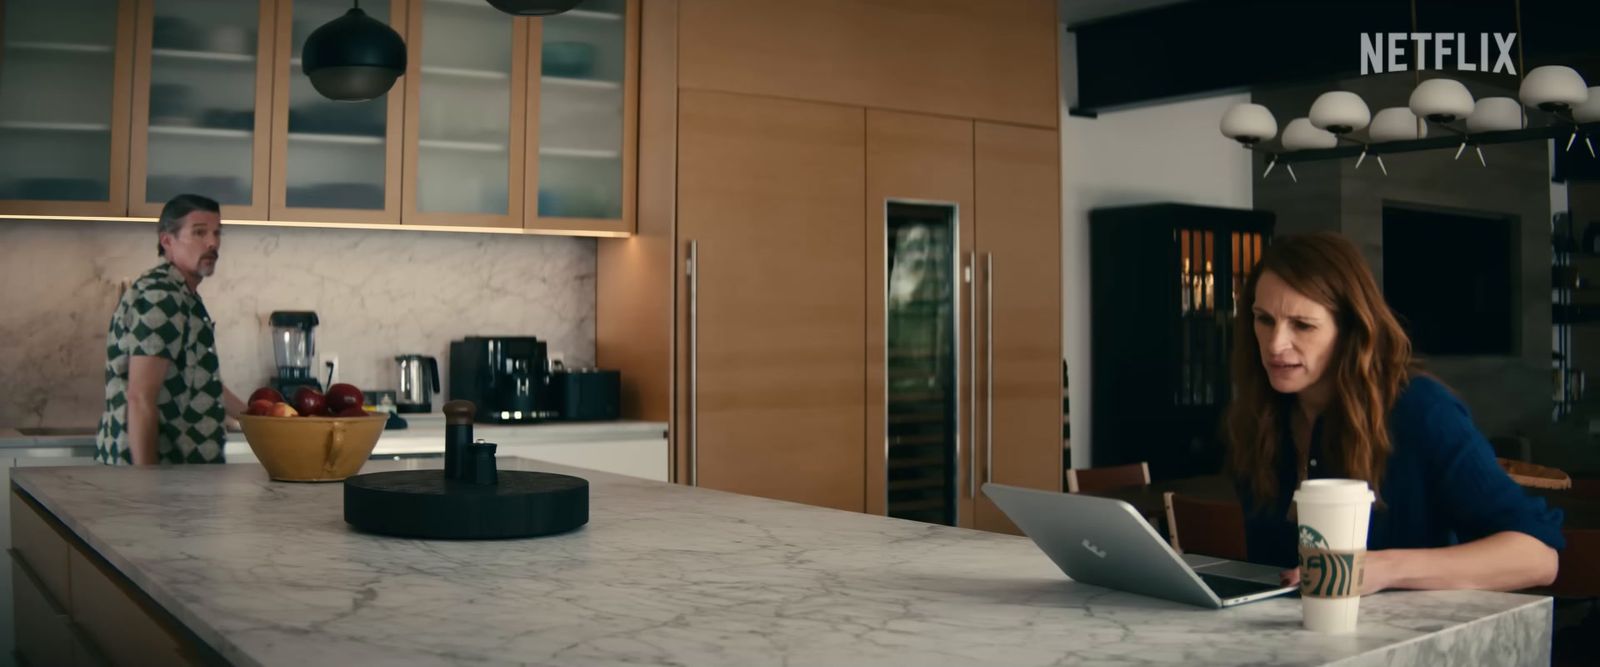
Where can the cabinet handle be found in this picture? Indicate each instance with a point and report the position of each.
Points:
(972, 375)
(691, 269)
(988, 366)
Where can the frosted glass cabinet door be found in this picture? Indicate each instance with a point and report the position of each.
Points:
(333, 161)
(465, 112)
(585, 98)
(202, 84)
(64, 81)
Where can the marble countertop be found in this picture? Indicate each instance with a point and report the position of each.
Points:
(269, 574)
(425, 432)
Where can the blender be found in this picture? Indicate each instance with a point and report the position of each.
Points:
(294, 348)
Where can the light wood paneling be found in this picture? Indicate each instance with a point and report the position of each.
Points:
(44, 549)
(928, 159)
(634, 297)
(772, 191)
(118, 624)
(992, 60)
(42, 627)
(1019, 235)
(261, 132)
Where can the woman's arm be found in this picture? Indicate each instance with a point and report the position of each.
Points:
(1503, 561)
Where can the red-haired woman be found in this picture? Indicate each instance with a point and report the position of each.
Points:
(1326, 387)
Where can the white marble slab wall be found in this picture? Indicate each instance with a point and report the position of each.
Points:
(378, 293)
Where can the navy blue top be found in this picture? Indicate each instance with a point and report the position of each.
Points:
(1442, 485)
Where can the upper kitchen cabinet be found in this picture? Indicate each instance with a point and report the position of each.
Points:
(581, 177)
(332, 161)
(64, 103)
(992, 60)
(202, 104)
(466, 111)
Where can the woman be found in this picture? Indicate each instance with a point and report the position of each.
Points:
(1326, 387)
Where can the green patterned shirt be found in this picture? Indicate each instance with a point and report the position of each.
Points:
(159, 316)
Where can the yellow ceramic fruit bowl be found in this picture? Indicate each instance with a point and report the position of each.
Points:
(312, 449)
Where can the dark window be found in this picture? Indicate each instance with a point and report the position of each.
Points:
(1449, 278)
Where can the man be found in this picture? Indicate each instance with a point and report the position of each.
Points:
(165, 402)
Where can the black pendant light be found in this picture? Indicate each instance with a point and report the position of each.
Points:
(353, 58)
(534, 7)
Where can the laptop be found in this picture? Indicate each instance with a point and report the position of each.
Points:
(1104, 542)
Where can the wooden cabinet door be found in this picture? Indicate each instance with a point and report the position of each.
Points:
(585, 101)
(772, 339)
(333, 161)
(202, 105)
(66, 68)
(466, 114)
(1019, 255)
(922, 161)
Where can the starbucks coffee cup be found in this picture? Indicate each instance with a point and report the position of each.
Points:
(1333, 515)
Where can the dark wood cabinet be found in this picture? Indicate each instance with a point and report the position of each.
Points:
(1164, 282)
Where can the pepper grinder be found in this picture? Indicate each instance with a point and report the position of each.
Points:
(457, 436)
(478, 465)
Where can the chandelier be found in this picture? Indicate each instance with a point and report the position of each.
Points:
(1567, 107)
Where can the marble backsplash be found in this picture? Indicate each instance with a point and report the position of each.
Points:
(378, 294)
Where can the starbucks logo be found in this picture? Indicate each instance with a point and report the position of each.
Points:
(1325, 573)
(1309, 537)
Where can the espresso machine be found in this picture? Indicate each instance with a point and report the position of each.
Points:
(506, 377)
(294, 348)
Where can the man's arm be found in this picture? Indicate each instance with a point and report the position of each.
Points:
(145, 375)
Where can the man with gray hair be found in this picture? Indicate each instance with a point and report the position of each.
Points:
(165, 402)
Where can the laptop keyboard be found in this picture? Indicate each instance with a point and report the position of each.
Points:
(1227, 588)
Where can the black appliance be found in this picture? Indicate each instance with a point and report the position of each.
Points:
(586, 394)
(507, 377)
(294, 349)
(1164, 279)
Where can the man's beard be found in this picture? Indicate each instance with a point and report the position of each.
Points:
(204, 268)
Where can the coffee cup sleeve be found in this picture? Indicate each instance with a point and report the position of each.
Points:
(1331, 574)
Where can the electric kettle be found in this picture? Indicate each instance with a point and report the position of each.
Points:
(419, 381)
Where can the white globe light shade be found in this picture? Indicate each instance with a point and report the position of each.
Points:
(1301, 135)
(1249, 123)
(1553, 87)
(1589, 111)
(1493, 114)
(1396, 124)
(1441, 100)
(1339, 112)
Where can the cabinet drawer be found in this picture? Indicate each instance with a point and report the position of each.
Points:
(45, 550)
(42, 626)
(115, 621)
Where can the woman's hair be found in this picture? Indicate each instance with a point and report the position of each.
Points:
(1369, 365)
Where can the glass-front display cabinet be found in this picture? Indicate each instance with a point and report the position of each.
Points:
(201, 104)
(333, 161)
(921, 358)
(587, 108)
(467, 114)
(64, 106)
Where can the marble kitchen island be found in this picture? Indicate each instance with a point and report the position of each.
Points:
(267, 573)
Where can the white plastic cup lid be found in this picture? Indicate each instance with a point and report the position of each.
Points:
(1333, 491)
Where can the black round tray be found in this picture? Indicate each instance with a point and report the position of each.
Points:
(422, 503)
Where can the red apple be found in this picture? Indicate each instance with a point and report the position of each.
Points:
(282, 410)
(309, 402)
(343, 396)
(260, 406)
(354, 411)
(265, 394)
